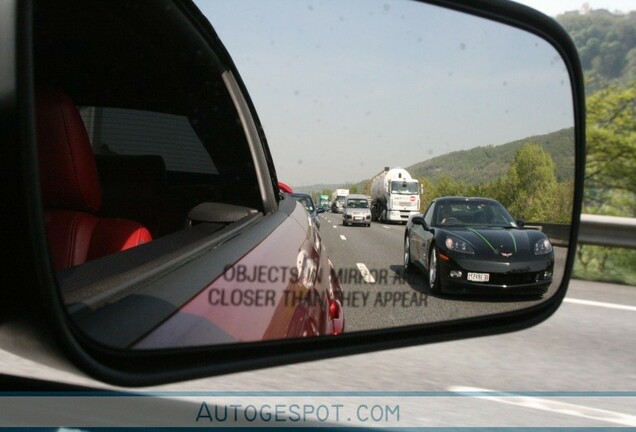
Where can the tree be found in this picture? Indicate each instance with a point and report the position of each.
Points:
(610, 178)
(531, 180)
(605, 43)
(428, 193)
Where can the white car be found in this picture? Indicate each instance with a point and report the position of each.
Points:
(356, 211)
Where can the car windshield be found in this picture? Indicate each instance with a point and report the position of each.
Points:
(404, 187)
(473, 213)
(357, 203)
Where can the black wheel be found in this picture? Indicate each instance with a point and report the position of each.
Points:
(408, 264)
(433, 271)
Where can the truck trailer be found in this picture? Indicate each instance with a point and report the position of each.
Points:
(394, 195)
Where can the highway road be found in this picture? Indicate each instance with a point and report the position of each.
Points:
(379, 294)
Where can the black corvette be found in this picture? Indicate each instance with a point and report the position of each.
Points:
(474, 245)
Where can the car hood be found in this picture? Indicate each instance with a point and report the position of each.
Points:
(499, 241)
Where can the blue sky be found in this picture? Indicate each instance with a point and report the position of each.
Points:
(345, 88)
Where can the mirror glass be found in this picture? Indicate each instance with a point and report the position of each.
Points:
(385, 115)
(464, 105)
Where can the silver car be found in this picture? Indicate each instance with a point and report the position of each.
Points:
(356, 210)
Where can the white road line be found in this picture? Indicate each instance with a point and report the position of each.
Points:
(342, 237)
(335, 226)
(366, 274)
(385, 226)
(553, 406)
(600, 304)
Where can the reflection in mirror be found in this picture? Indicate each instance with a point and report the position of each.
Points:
(167, 231)
(467, 107)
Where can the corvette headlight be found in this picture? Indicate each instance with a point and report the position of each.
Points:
(542, 247)
(457, 245)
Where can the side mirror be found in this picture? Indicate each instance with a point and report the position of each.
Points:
(521, 223)
(320, 210)
(248, 284)
(419, 220)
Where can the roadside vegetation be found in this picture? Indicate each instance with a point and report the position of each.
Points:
(607, 46)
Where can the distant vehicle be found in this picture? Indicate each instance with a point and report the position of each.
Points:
(394, 195)
(473, 245)
(356, 210)
(324, 202)
(308, 203)
(337, 200)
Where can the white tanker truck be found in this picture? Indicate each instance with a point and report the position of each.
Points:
(394, 195)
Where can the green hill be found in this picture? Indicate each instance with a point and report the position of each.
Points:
(480, 164)
(487, 163)
(606, 43)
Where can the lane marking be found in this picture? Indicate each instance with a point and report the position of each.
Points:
(387, 227)
(335, 226)
(342, 237)
(600, 304)
(552, 406)
(366, 274)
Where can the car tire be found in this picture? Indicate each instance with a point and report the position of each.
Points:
(433, 271)
(408, 264)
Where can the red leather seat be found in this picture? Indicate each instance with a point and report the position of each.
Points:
(71, 190)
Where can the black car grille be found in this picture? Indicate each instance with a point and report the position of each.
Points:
(514, 278)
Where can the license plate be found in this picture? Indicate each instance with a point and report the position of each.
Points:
(358, 218)
(478, 277)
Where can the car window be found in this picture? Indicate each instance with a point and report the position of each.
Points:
(428, 216)
(307, 203)
(162, 168)
(117, 131)
(474, 213)
(358, 203)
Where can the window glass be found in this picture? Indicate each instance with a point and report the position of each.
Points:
(117, 131)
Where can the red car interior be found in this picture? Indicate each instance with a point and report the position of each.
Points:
(71, 189)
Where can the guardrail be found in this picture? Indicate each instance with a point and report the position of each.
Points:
(594, 230)
(607, 231)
